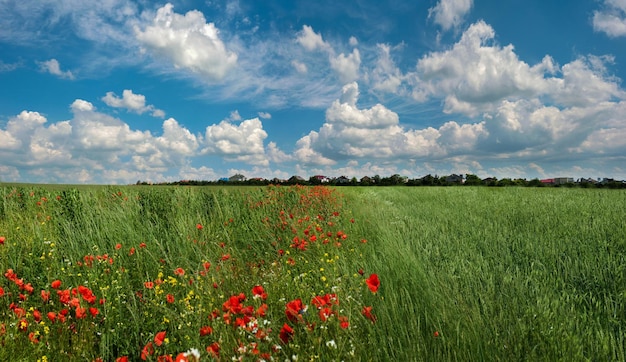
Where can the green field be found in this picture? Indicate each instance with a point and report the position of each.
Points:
(466, 273)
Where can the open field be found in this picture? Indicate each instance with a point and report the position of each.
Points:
(466, 273)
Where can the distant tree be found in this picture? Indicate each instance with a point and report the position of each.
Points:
(505, 182)
(472, 180)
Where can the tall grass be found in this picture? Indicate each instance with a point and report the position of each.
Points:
(466, 273)
(500, 274)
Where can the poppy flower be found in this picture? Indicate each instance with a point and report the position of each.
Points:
(294, 310)
(373, 282)
(286, 332)
(148, 285)
(93, 311)
(56, 284)
(205, 331)
(170, 298)
(179, 271)
(122, 359)
(2, 240)
(52, 316)
(147, 351)
(199, 226)
(159, 338)
(81, 313)
(118, 246)
(259, 292)
(213, 349)
(367, 312)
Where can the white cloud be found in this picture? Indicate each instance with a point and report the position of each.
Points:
(274, 154)
(265, 115)
(81, 105)
(347, 66)
(132, 102)
(475, 76)
(189, 42)
(242, 143)
(52, 66)
(299, 66)
(354, 133)
(612, 19)
(386, 76)
(311, 40)
(450, 13)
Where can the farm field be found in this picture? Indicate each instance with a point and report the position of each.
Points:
(311, 273)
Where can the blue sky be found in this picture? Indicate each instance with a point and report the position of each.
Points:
(123, 90)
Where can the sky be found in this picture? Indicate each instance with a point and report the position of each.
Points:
(117, 91)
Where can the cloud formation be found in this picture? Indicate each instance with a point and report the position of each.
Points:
(188, 41)
(450, 13)
(52, 66)
(612, 19)
(131, 102)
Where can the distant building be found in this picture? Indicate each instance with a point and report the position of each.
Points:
(563, 180)
(342, 180)
(455, 179)
(296, 180)
(237, 178)
(321, 179)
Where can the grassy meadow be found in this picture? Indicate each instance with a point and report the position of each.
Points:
(311, 273)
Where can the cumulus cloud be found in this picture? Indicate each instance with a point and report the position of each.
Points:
(476, 75)
(353, 133)
(92, 143)
(132, 102)
(52, 66)
(243, 142)
(450, 13)
(347, 66)
(311, 40)
(612, 19)
(189, 42)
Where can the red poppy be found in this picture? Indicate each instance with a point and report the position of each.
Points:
(214, 349)
(165, 358)
(93, 311)
(33, 339)
(118, 246)
(37, 315)
(258, 291)
(81, 313)
(286, 332)
(122, 359)
(199, 226)
(52, 316)
(56, 284)
(367, 312)
(170, 298)
(2, 240)
(2, 291)
(131, 251)
(148, 285)
(179, 271)
(294, 310)
(343, 322)
(159, 338)
(206, 265)
(147, 351)
(373, 283)
(205, 331)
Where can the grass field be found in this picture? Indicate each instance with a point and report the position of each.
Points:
(284, 273)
